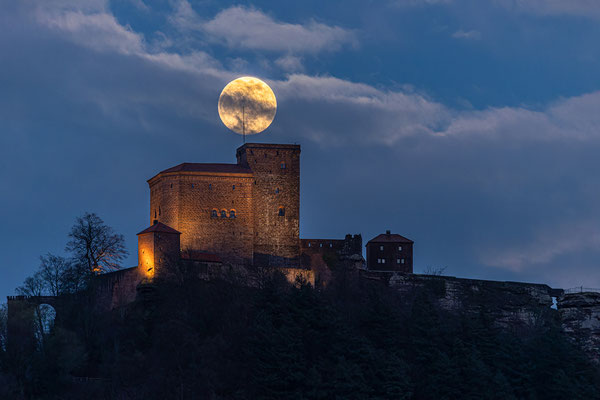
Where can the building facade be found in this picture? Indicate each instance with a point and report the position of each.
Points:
(390, 252)
(246, 213)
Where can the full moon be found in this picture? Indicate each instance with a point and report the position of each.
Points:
(247, 105)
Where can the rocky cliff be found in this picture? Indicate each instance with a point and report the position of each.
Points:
(580, 317)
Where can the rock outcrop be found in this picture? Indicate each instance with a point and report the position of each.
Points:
(508, 304)
(580, 317)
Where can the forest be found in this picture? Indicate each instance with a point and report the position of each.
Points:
(188, 338)
(351, 340)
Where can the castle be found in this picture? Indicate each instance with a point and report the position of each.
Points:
(246, 213)
(214, 218)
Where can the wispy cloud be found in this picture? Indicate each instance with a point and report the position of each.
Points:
(545, 246)
(470, 35)
(248, 28)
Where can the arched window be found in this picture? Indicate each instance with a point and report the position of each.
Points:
(223, 213)
(232, 214)
(213, 214)
(281, 211)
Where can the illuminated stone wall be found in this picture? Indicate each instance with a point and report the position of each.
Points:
(276, 186)
(185, 201)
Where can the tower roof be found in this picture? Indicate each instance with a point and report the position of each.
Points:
(206, 167)
(389, 237)
(159, 227)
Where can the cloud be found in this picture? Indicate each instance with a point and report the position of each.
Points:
(99, 31)
(246, 28)
(470, 35)
(290, 63)
(141, 108)
(545, 246)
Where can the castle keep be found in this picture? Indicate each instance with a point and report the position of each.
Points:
(245, 213)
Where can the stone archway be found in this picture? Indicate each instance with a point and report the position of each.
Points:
(29, 319)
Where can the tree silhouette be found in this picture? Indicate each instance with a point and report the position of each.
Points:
(95, 245)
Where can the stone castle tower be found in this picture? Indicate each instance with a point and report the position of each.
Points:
(246, 213)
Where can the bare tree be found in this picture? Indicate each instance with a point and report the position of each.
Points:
(54, 271)
(95, 245)
(437, 271)
(32, 286)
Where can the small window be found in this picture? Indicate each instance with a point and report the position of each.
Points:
(277, 191)
(402, 261)
(159, 211)
(383, 260)
(308, 244)
(192, 185)
(282, 165)
(281, 211)
(210, 185)
(320, 244)
(233, 187)
(213, 213)
(381, 248)
(330, 245)
(223, 214)
(171, 186)
(398, 261)
(154, 213)
(399, 248)
(232, 214)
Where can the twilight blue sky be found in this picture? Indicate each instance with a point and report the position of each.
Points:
(470, 126)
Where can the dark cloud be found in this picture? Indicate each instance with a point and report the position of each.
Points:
(90, 109)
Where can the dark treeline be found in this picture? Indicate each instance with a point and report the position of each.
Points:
(350, 340)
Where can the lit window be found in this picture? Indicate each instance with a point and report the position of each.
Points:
(402, 260)
(308, 244)
(213, 213)
(232, 214)
(381, 248)
(398, 261)
(330, 245)
(223, 214)
(282, 165)
(383, 260)
(281, 211)
(320, 244)
(399, 248)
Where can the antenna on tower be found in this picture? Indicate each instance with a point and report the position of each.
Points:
(244, 122)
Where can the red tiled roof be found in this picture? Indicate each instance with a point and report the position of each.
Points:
(200, 256)
(204, 167)
(159, 227)
(389, 238)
